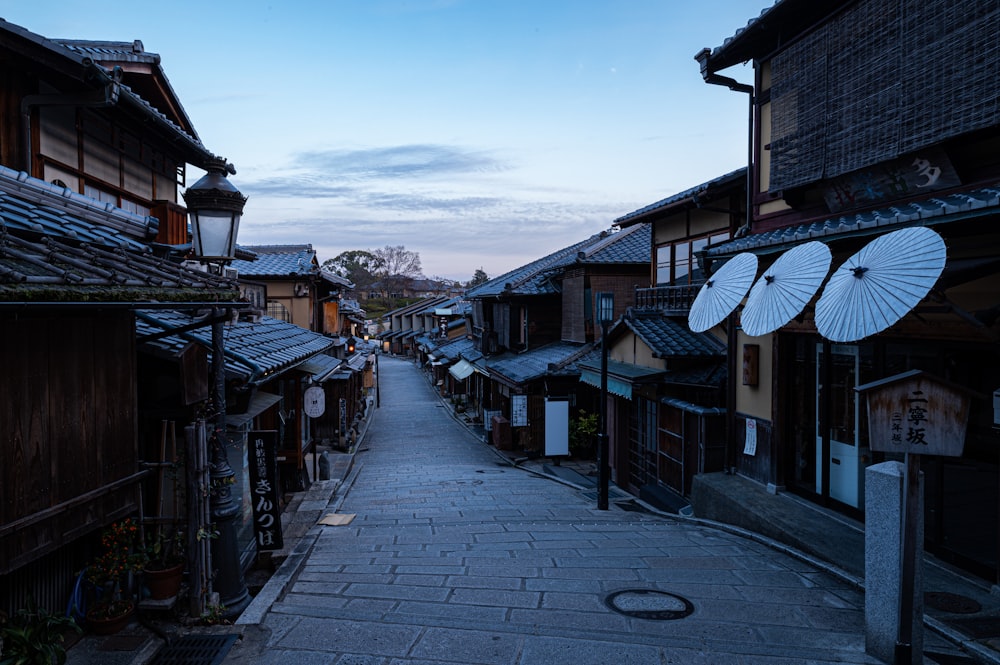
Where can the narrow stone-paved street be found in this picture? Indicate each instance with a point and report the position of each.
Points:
(455, 557)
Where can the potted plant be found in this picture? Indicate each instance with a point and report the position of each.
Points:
(34, 636)
(111, 574)
(583, 435)
(164, 567)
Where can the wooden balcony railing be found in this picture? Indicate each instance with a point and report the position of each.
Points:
(667, 299)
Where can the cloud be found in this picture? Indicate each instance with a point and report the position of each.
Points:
(403, 161)
(459, 208)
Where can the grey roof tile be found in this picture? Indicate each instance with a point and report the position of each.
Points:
(278, 261)
(61, 247)
(931, 210)
(556, 359)
(630, 245)
(670, 338)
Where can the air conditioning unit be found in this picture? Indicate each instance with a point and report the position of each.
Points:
(230, 273)
(301, 289)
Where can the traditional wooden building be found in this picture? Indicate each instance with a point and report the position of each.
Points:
(869, 118)
(94, 148)
(533, 325)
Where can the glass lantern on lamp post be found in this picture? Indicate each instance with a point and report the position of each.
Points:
(215, 207)
(605, 314)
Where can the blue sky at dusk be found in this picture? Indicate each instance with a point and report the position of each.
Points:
(479, 133)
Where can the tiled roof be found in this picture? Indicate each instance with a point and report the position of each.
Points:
(535, 278)
(60, 247)
(334, 278)
(37, 207)
(711, 374)
(670, 338)
(255, 352)
(631, 245)
(115, 51)
(634, 373)
(453, 349)
(929, 211)
(693, 194)
(556, 359)
(278, 261)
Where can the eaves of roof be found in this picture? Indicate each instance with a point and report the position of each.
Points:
(930, 211)
(130, 54)
(775, 27)
(86, 70)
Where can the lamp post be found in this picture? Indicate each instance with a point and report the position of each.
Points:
(215, 207)
(605, 314)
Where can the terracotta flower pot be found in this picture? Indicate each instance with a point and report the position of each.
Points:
(164, 583)
(108, 620)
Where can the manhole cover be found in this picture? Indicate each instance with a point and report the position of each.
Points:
(649, 604)
(196, 650)
(951, 602)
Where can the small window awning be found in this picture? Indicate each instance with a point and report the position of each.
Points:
(621, 376)
(259, 403)
(461, 370)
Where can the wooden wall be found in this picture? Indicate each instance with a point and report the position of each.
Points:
(67, 429)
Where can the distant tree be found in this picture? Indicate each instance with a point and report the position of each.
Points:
(445, 283)
(357, 265)
(395, 268)
(480, 277)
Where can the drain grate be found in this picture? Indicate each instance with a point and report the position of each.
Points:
(649, 604)
(951, 602)
(196, 650)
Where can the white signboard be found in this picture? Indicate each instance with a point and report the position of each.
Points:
(556, 427)
(518, 410)
(314, 401)
(750, 446)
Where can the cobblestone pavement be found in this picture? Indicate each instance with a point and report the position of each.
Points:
(454, 556)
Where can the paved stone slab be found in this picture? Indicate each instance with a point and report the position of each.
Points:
(454, 559)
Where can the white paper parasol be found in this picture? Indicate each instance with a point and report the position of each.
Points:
(722, 292)
(881, 283)
(785, 288)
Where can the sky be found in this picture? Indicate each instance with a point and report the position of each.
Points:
(477, 133)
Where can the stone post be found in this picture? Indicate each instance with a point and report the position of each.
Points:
(884, 502)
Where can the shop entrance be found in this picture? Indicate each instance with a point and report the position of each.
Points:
(839, 460)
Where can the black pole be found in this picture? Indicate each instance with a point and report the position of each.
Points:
(604, 471)
(911, 508)
(378, 394)
(229, 583)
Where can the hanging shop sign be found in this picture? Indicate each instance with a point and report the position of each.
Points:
(314, 401)
(263, 445)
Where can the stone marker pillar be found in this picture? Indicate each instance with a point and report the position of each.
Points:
(884, 503)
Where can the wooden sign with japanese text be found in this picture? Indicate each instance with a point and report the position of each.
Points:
(916, 413)
(262, 448)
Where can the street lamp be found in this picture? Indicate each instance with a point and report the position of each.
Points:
(605, 314)
(215, 207)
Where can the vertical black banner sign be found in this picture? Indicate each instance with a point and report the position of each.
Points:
(264, 489)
